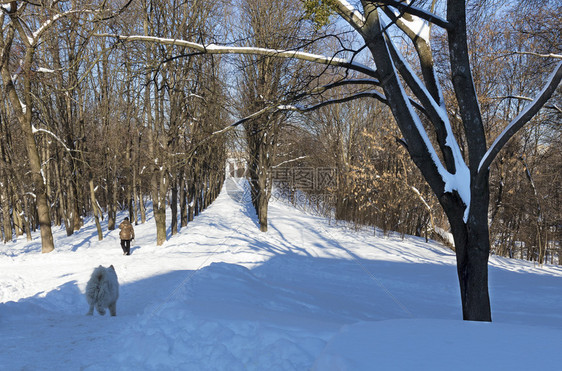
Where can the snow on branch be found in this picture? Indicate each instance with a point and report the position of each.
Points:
(221, 49)
(457, 179)
(7, 6)
(415, 27)
(550, 55)
(408, 8)
(416, 85)
(521, 119)
(433, 110)
(349, 13)
(37, 34)
(289, 161)
(33, 38)
(35, 130)
(44, 70)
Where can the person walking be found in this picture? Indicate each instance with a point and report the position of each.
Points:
(126, 234)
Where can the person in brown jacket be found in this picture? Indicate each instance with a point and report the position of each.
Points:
(126, 234)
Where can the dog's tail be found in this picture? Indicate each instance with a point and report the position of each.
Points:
(94, 286)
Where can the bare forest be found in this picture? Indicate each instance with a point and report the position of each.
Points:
(125, 105)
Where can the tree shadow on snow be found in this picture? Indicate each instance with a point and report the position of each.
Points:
(301, 290)
(66, 298)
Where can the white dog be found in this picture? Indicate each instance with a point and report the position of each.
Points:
(102, 290)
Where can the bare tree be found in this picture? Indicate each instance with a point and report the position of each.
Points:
(266, 79)
(22, 103)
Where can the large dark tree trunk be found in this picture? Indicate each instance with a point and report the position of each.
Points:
(472, 248)
(473, 252)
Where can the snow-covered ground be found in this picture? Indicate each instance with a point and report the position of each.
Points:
(221, 295)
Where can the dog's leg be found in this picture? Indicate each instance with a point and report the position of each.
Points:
(113, 309)
(91, 311)
(101, 310)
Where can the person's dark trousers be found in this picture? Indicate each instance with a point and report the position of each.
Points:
(126, 246)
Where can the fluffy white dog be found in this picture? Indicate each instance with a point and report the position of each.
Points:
(102, 290)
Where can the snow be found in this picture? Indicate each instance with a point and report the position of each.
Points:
(364, 344)
(221, 295)
(45, 70)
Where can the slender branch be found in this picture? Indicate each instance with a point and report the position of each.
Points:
(371, 93)
(366, 94)
(513, 97)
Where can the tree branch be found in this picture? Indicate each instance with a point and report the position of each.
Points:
(436, 114)
(519, 97)
(350, 14)
(221, 49)
(521, 119)
(408, 8)
(550, 55)
(366, 94)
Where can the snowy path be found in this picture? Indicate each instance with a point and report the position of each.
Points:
(221, 295)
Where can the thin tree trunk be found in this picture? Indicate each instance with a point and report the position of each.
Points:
(7, 219)
(183, 199)
(69, 217)
(96, 209)
(174, 206)
(26, 219)
(191, 199)
(142, 208)
(43, 210)
(112, 202)
(61, 213)
(159, 205)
